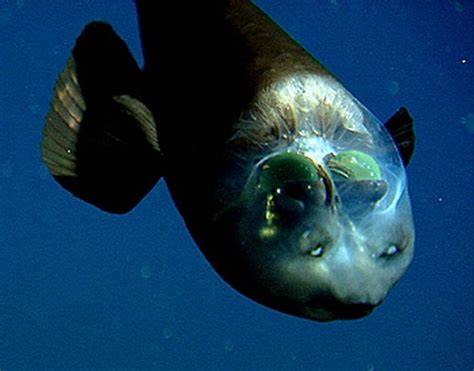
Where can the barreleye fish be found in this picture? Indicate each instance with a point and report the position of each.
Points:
(294, 192)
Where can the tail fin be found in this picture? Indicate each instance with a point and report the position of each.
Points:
(99, 141)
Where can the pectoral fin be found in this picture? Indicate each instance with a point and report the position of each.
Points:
(100, 140)
(400, 127)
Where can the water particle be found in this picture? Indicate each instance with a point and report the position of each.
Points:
(468, 122)
(228, 346)
(393, 87)
(167, 333)
(34, 108)
(5, 15)
(6, 170)
(335, 4)
(458, 7)
(146, 271)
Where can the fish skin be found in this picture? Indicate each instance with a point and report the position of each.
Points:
(223, 90)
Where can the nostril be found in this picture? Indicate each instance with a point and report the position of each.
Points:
(390, 251)
(316, 251)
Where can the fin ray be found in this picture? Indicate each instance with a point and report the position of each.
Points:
(100, 141)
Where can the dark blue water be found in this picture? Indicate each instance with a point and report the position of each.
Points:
(83, 289)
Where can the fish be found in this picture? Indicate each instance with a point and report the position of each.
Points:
(293, 190)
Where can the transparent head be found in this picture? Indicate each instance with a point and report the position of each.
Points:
(322, 227)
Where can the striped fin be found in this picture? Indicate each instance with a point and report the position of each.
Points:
(100, 141)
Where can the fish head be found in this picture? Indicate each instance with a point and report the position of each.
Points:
(322, 227)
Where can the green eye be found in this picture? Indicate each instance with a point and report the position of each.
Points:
(285, 180)
(285, 168)
(355, 166)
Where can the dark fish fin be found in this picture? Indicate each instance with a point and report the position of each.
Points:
(99, 141)
(400, 127)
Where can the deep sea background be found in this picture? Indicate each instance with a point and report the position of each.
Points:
(83, 289)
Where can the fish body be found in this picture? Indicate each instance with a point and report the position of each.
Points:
(295, 193)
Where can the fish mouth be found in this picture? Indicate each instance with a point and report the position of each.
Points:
(327, 309)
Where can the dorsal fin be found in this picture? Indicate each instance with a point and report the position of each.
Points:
(400, 127)
(100, 140)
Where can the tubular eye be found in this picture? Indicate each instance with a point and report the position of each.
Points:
(297, 190)
(391, 251)
(284, 169)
